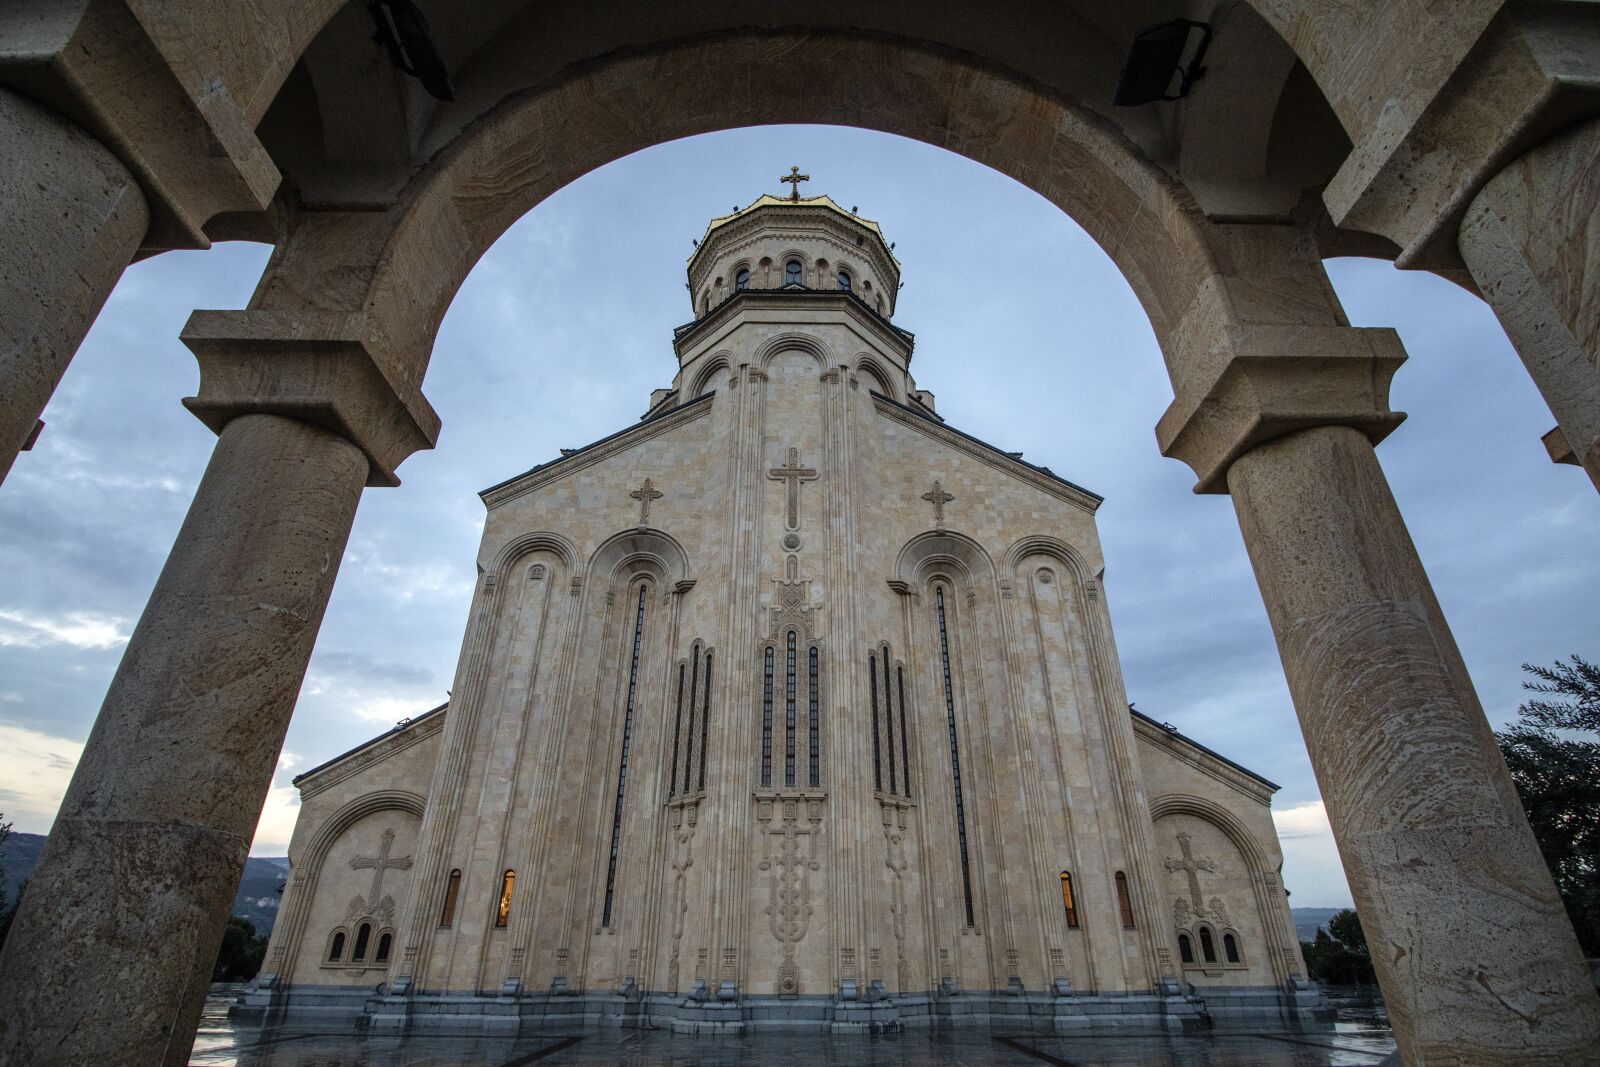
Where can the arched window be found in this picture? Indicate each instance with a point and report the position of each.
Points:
(1230, 948)
(1068, 901)
(705, 729)
(789, 694)
(888, 721)
(1185, 948)
(363, 935)
(336, 948)
(622, 763)
(815, 715)
(793, 273)
(741, 280)
(955, 755)
(1208, 947)
(766, 717)
(452, 890)
(844, 281)
(677, 730)
(384, 941)
(1124, 901)
(502, 910)
(877, 750)
(905, 749)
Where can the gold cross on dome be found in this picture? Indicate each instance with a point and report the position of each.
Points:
(794, 178)
(644, 494)
(938, 498)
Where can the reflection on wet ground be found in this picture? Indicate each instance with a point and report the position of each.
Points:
(1360, 1038)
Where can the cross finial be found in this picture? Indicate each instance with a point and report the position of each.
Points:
(794, 178)
(644, 494)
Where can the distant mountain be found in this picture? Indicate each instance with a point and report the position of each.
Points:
(257, 899)
(1306, 920)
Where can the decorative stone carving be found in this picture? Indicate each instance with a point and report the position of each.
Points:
(792, 474)
(644, 494)
(377, 903)
(938, 498)
(791, 826)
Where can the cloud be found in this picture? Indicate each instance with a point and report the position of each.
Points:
(36, 768)
(80, 629)
(1311, 867)
(278, 815)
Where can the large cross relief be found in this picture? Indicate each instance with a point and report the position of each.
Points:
(1187, 910)
(376, 902)
(792, 474)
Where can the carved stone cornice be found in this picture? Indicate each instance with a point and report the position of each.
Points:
(343, 768)
(1208, 763)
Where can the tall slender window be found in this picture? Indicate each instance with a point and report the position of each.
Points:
(1230, 948)
(1124, 901)
(792, 273)
(677, 726)
(905, 746)
(502, 907)
(363, 935)
(872, 687)
(688, 743)
(384, 942)
(1185, 948)
(452, 890)
(336, 949)
(741, 280)
(955, 755)
(888, 721)
(789, 713)
(1068, 901)
(705, 721)
(622, 764)
(844, 281)
(815, 733)
(766, 719)
(1208, 947)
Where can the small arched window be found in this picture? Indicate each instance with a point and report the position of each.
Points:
(844, 281)
(1185, 948)
(741, 280)
(336, 949)
(502, 911)
(384, 941)
(1208, 947)
(1230, 948)
(363, 935)
(1124, 901)
(1068, 901)
(793, 273)
(452, 890)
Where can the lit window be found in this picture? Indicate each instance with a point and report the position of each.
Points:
(336, 950)
(502, 911)
(1124, 901)
(741, 281)
(452, 889)
(1185, 948)
(793, 273)
(1068, 901)
(844, 281)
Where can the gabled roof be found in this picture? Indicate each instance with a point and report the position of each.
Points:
(403, 726)
(1172, 732)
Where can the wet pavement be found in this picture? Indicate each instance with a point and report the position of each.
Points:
(1360, 1038)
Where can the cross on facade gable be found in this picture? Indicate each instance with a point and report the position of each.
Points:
(938, 498)
(1190, 866)
(644, 494)
(378, 864)
(793, 474)
(794, 178)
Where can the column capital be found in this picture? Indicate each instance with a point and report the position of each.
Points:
(1411, 175)
(1279, 379)
(324, 368)
(142, 94)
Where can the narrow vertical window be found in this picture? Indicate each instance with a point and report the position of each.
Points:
(741, 280)
(1068, 901)
(688, 744)
(888, 721)
(905, 746)
(766, 719)
(1185, 948)
(1230, 948)
(844, 281)
(789, 713)
(384, 941)
(363, 935)
(955, 754)
(792, 273)
(452, 890)
(1124, 901)
(677, 727)
(502, 907)
(622, 763)
(1208, 948)
(872, 688)
(705, 721)
(336, 949)
(815, 712)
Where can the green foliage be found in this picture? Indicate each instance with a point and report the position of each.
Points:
(241, 954)
(1340, 957)
(1553, 752)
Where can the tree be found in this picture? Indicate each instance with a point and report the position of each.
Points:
(1553, 753)
(242, 952)
(1338, 954)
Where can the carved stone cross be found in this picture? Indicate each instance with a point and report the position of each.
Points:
(793, 474)
(938, 498)
(378, 864)
(1189, 865)
(644, 494)
(794, 178)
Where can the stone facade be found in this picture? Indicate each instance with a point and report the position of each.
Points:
(791, 704)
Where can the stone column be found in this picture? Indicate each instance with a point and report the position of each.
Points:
(73, 217)
(1532, 241)
(1473, 949)
(111, 952)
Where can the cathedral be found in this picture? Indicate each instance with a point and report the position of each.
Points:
(789, 705)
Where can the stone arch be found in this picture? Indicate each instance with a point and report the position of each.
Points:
(778, 344)
(956, 555)
(303, 880)
(634, 551)
(703, 374)
(541, 541)
(1054, 547)
(884, 383)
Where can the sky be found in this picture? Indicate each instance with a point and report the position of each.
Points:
(1027, 334)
